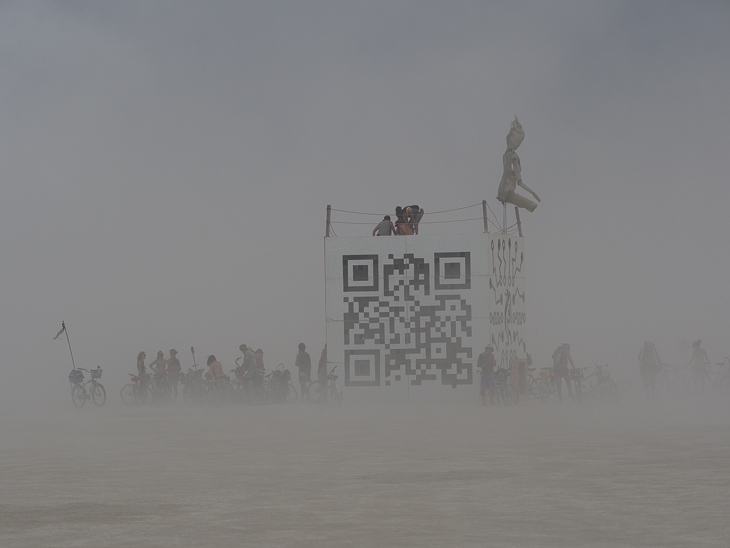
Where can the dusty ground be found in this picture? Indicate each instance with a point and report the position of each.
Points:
(397, 475)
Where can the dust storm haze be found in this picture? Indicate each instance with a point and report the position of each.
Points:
(166, 172)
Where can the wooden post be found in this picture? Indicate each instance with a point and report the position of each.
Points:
(329, 216)
(484, 213)
(519, 224)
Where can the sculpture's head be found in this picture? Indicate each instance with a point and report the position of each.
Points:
(516, 134)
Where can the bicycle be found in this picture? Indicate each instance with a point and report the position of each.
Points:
(506, 393)
(719, 380)
(577, 376)
(604, 388)
(91, 390)
(194, 389)
(546, 383)
(670, 382)
(160, 389)
(135, 393)
(533, 383)
(723, 381)
(330, 393)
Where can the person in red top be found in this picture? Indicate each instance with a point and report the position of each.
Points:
(215, 369)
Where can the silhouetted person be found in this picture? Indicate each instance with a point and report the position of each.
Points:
(561, 358)
(649, 366)
(698, 363)
(215, 369)
(173, 372)
(304, 363)
(384, 227)
(487, 363)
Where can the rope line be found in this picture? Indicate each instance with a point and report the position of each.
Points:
(429, 212)
(511, 229)
(421, 223)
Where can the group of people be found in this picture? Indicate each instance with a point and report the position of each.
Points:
(650, 365)
(168, 369)
(406, 222)
(487, 364)
(251, 367)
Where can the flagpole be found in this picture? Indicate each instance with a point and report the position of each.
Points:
(63, 324)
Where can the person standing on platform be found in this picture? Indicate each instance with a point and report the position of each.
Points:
(384, 227)
(413, 215)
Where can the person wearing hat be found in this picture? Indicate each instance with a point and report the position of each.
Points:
(304, 364)
(173, 372)
(487, 364)
(384, 227)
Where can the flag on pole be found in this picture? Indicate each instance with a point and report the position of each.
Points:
(63, 330)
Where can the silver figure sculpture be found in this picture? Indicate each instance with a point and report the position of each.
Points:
(512, 175)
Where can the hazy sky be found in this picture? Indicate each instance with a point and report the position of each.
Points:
(167, 167)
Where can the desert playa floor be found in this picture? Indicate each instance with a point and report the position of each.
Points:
(586, 475)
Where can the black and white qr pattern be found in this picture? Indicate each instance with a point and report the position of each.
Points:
(407, 319)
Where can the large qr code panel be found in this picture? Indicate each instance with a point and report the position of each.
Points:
(415, 312)
(416, 319)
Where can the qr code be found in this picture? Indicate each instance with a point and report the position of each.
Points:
(407, 318)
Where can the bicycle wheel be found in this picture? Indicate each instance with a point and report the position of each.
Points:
(511, 395)
(723, 386)
(188, 393)
(578, 392)
(543, 389)
(339, 397)
(662, 386)
(127, 394)
(98, 394)
(315, 392)
(142, 395)
(607, 391)
(290, 395)
(78, 395)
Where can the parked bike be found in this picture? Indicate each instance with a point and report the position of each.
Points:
(506, 393)
(136, 392)
(194, 389)
(327, 393)
(279, 387)
(91, 390)
(671, 382)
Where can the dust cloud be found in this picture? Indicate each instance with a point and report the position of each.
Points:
(166, 172)
(635, 473)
